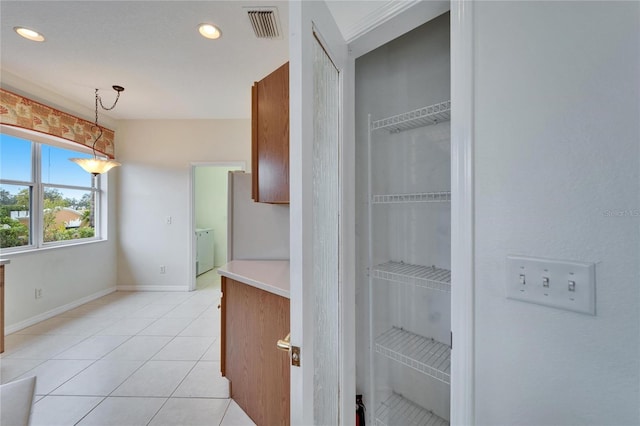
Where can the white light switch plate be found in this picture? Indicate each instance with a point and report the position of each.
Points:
(556, 291)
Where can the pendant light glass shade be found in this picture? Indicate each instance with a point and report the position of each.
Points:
(95, 166)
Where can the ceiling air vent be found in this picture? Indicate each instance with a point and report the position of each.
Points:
(265, 22)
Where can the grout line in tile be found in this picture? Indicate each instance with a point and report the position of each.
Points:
(52, 390)
(53, 355)
(156, 413)
(88, 412)
(165, 335)
(127, 378)
(197, 397)
(183, 379)
(226, 410)
(42, 361)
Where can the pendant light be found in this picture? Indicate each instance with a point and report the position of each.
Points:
(96, 165)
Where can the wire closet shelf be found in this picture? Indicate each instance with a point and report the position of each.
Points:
(425, 116)
(418, 197)
(423, 354)
(428, 356)
(422, 276)
(397, 410)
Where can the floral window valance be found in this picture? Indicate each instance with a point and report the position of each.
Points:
(18, 111)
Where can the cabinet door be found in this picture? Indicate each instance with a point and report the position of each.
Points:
(252, 322)
(270, 137)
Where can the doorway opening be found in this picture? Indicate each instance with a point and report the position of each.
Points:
(209, 195)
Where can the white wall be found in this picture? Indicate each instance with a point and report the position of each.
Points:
(67, 275)
(211, 188)
(156, 157)
(260, 231)
(557, 147)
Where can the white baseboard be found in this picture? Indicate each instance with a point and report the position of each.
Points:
(152, 287)
(57, 311)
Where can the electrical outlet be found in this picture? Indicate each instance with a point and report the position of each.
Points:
(163, 269)
(561, 284)
(38, 293)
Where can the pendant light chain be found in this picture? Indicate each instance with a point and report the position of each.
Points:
(96, 122)
(96, 165)
(98, 98)
(118, 90)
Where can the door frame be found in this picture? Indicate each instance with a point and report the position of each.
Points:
(391, 21)
(192, 210)
(397, 21)
(462, 214)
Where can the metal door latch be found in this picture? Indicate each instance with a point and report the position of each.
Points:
(295, 356)
(285, 345)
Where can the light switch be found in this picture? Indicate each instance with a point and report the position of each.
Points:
(561, 284)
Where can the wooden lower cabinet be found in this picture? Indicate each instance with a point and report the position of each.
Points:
(252, 322)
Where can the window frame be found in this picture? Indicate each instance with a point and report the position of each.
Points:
(37, 186)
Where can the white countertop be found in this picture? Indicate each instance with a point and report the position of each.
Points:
(7, 261)
(267, 275)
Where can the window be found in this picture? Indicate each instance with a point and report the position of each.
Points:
(45, 199)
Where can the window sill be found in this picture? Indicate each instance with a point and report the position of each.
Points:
(32, 250)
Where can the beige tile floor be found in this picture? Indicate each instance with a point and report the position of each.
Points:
(128, 359)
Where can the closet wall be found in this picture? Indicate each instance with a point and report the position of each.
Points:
(406, 74)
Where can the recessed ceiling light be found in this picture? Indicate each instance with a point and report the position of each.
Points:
(29, 34)
(209, 31)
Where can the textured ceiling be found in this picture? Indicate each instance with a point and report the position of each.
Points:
(153, 49)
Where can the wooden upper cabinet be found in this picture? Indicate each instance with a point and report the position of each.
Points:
(270, 137)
